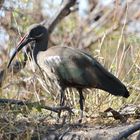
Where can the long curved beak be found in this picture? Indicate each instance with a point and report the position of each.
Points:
(25, 40)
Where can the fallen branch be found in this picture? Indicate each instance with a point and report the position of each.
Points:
(80, 132)
(126, 133)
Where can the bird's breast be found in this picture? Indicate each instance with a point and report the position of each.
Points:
(49, 64)
(53, 61)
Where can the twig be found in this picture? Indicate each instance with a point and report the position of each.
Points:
(27, 103)
(134, 87)
(1, 3)
(117, 115)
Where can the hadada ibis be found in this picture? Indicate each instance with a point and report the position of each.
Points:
(70, 66)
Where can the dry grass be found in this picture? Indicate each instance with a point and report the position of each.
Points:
(118, 52)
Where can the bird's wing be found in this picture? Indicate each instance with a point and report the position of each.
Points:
(78, 69)
(83, 70)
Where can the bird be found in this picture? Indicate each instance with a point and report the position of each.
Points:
(71, 67)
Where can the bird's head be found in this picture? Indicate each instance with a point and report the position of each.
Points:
(36, 33)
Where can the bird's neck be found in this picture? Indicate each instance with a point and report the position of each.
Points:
(39, 47)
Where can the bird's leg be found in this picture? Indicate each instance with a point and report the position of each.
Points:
(81, 104)
(61, 101)
(62, 98)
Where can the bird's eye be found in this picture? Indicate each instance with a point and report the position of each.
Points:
(37, 32)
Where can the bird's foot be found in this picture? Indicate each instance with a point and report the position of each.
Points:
(79, 121)
(63, 119)
(81, 117)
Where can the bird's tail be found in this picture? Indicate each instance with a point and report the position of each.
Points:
(110, 83)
